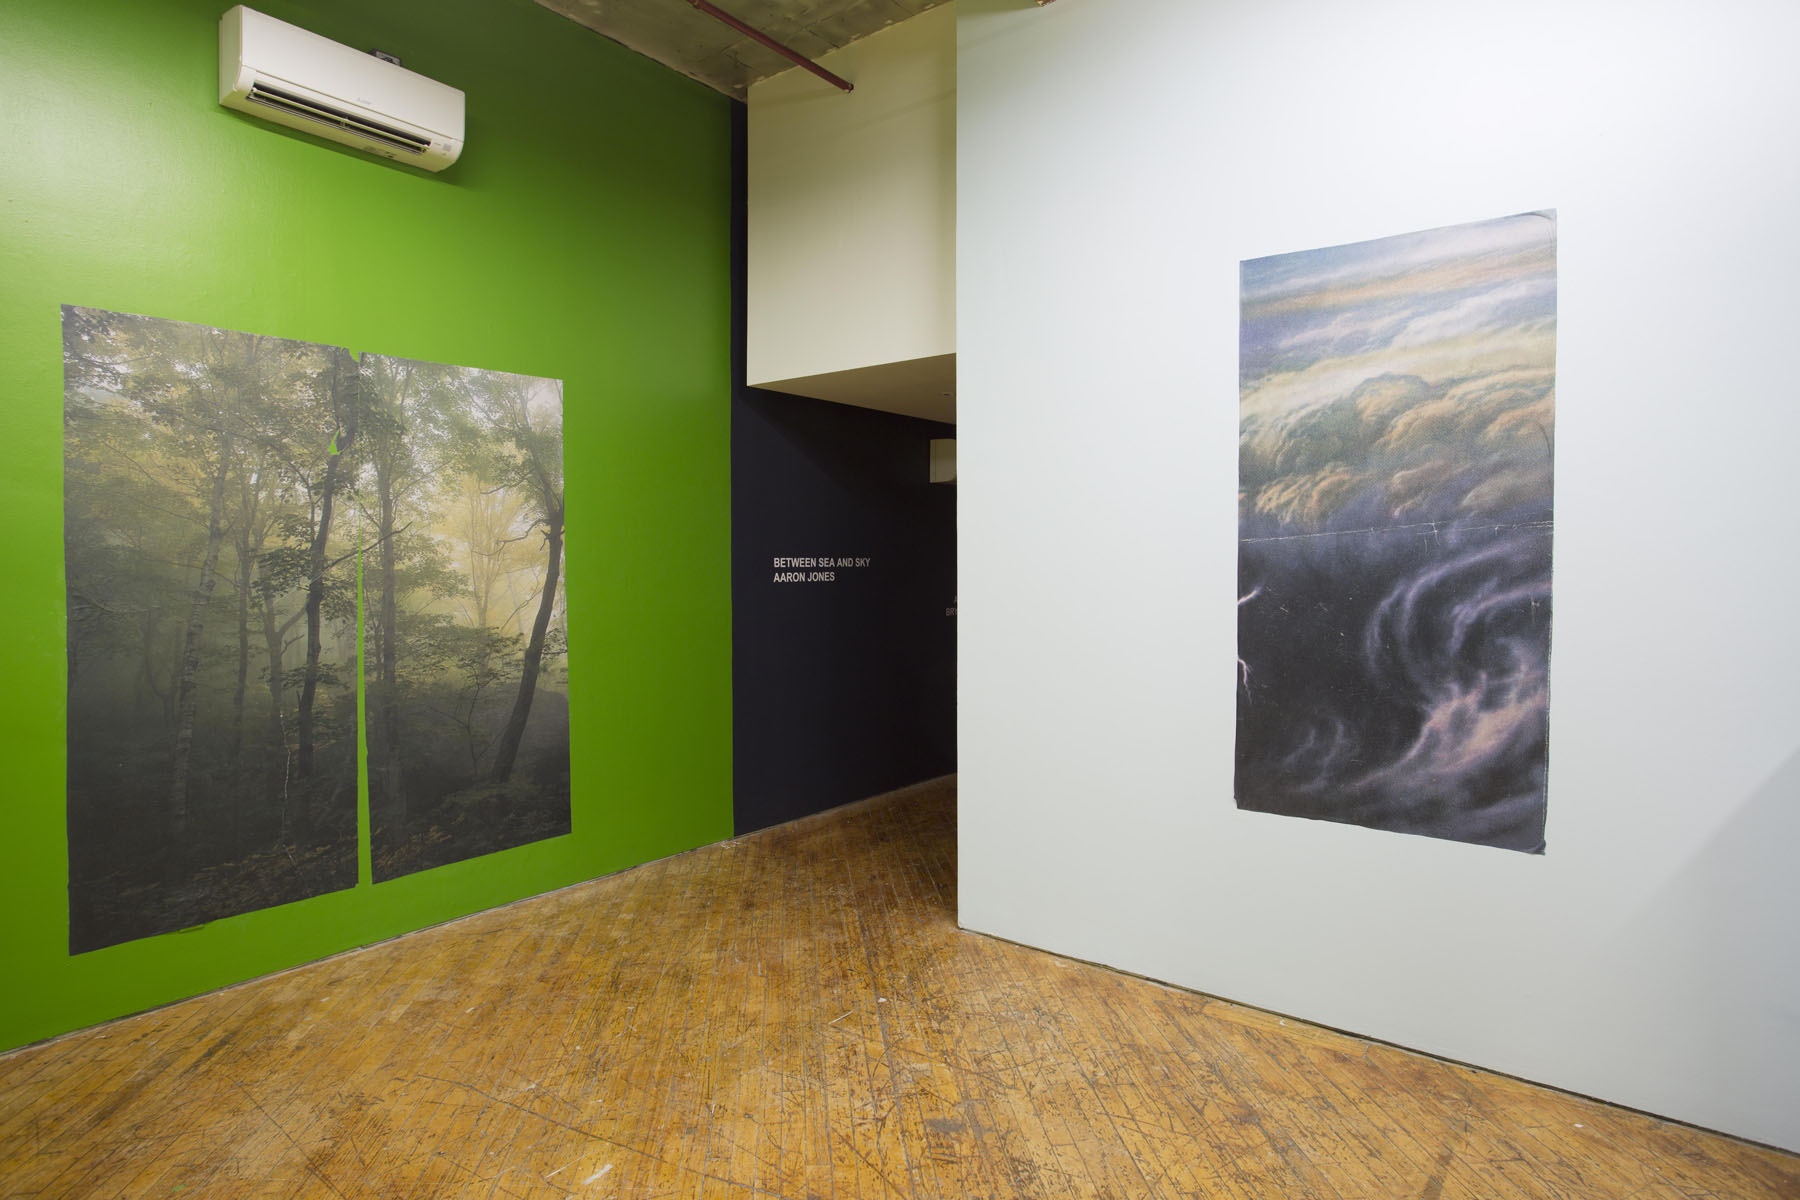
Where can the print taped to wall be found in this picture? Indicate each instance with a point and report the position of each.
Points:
(467, 678)
(211, 582)
(219, 488)
(1396, 435)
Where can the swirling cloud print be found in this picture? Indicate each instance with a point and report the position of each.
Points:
(1396, 438)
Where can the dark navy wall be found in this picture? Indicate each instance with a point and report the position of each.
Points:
(843, 688)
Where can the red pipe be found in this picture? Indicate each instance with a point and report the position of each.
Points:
(757, 36)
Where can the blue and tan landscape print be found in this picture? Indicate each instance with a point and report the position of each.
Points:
(1397, 403)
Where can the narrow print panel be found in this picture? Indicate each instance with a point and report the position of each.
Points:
(211, 622)
(1397, 406)
(465, 635)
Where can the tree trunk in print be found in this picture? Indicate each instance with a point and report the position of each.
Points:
(245, 562)
(187, 695)
(246, 555)
(164, 704)
(508, 749)
(390, 658)
(315, 588)
(275, 752)
(249, 548)
(248, 545)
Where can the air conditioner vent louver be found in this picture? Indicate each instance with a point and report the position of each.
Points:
(262, 93)
(289, 76)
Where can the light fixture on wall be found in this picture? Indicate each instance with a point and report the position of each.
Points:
(943, 460)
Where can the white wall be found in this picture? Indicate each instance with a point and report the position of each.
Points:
(1117, 158)
(851, 250)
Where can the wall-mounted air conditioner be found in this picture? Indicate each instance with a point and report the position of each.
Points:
(284, 74)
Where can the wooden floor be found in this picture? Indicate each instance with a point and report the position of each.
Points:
(793, 1014)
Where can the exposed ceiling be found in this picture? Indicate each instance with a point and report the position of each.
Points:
(678, 35)
(686, 39)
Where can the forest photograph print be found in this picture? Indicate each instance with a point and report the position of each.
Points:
(1396, 437)
(466, 642)
(211, 623)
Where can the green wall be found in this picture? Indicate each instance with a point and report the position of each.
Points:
(585, 236)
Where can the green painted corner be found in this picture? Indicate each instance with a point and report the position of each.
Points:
(584, 236)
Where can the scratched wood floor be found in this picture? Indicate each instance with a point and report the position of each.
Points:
(793, 1014)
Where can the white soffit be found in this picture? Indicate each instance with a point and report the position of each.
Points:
(918, 387)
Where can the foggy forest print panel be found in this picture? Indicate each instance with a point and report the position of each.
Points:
(210, 574)
(1397, 403)
(465, 635)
